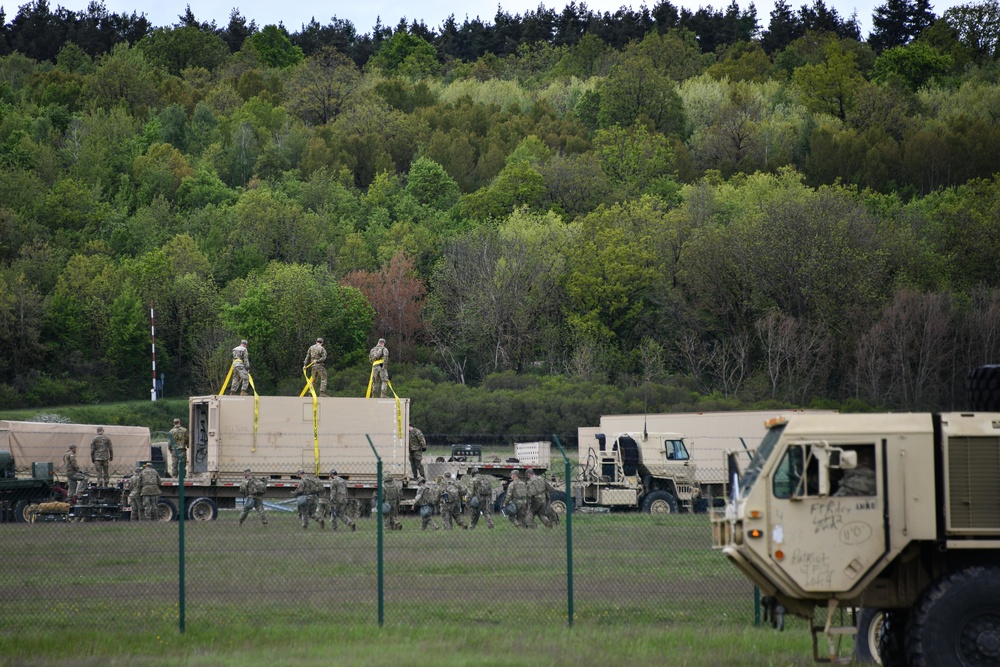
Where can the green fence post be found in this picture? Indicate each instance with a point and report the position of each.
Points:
(569, 534)
(378, 508)
(180, 540)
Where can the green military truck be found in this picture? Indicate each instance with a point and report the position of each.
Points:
(18, 495)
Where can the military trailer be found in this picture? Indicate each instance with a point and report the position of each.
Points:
(651, 472)
(897, 514)
(19, 493)
(276, 436)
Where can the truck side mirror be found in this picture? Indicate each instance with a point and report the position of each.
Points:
(843, 459)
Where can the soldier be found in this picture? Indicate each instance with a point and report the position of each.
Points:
(134, 499)
(860, 480)
(517, 495)
(75, 477)
(149, 482)
(180, 436)
(241, 369)
(338, 501)
(427, 498)
(379, 356)
(253, 490)
(418, 445)
(308, 488)
(101, 454)
(392, 493)
(481, 501)
(538, 499)
(316, 358)
(451, 502)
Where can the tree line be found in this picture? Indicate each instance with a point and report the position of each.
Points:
(719, 213)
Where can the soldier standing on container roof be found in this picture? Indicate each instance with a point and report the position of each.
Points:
(75, 477)
(418, 445)
(252, 489)
(180, 436)
(338, 501)
(379, 356)
(241, 369)
(149, 481)
(316, 357)
(481, 500)
(101, 454)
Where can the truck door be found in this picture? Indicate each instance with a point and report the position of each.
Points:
(204, 424)
(826, 514)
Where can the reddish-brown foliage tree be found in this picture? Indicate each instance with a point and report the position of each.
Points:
(397, 294)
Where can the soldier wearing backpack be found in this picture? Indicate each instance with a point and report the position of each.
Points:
(426, 500)
(451, 502)
(481, 500)
(253, 490)
(516, 501)
(338, 501)
(308, 490)
(538, 499)
(392, 493)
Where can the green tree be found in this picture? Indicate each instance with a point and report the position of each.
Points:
(274, 48)
(915, 64)
(830, 87)
(178, 48)
(406, 54)
(320, 85)
(429, 184)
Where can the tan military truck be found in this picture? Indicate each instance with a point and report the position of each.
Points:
(893, 513)
(651, 472)
(276, 436)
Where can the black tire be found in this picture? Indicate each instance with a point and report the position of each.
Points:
(891, 641)
(866, 641)
(167, 510)
(21, 511)
(983, 388)
(660, 502)
(557, 502)
(956, 622)
(202, 509)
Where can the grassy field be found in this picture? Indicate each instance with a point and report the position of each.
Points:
(645, 589)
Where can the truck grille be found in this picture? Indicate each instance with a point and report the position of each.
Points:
(973, 500)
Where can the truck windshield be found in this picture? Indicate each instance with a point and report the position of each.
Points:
(760, 456)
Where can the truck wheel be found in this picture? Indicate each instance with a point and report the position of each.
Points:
(983, 388)
(890, 642)
(203, 509)
(866, 641)
(21, 511)
(557, 501)
(167, 510)
(957, 622)
(660, 502)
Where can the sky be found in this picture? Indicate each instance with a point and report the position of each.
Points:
(432, 12)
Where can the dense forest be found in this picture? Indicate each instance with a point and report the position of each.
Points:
(651, 198)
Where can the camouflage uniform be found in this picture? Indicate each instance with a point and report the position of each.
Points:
(241, 369)
(101, 454)
(310, 488)
(338, 502)
(538, 500)
(451, 502)
(482, 489)
(134, 502)
(427, 496)
(857, 482)
(392, 493)
(418, 445)
(379, 356)
(149, 489)
(316, 356)
(75, 477)
(180, 436)
(517, 493)
(252, 489)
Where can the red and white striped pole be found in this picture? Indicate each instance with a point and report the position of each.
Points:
(152, 337)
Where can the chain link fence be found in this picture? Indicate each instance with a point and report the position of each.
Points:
(92, 563)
